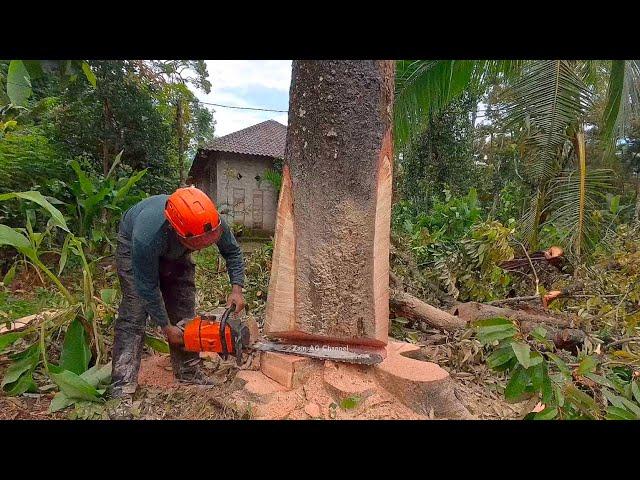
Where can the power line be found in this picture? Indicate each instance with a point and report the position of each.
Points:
(200, 101)
(244, 108)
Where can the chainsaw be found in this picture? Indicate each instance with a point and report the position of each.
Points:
(230, 336)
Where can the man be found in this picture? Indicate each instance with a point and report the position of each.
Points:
(157, 278)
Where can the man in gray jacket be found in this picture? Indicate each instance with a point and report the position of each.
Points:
(157, 278)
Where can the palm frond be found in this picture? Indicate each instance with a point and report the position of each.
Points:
(623, 100)
(575, 194)
(425, 86)
(530, 221)
(548, 99)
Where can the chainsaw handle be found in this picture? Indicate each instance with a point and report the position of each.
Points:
(223, 328)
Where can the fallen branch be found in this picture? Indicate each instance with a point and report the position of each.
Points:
(623, 341)
(503, 301)
(558, 326)
(535, 274)
(408, 306)
(472, 311)
(20, 324)
(563, 338)
(554, 256)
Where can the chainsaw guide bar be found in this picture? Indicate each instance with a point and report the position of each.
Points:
(337, 354)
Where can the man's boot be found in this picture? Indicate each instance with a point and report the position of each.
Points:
(191, 371)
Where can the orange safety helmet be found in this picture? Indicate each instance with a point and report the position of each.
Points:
(194, 217)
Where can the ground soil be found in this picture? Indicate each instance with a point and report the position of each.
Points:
(160, 397)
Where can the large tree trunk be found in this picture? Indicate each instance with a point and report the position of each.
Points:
(330, 267)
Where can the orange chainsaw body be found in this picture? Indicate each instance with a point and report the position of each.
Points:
(204, 336)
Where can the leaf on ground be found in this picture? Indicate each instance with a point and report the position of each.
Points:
(350, 403)
(24, 384)
(635, 389)
(617, 413)
(548, 413)
(517, 384)
(108, 295)
(562, 366)
(581, 400)
(75, 387)
(587, 365)
(522, 352)
(9, 338)
(500, 356)
(9, 276)
(98, 374)
(157, 344)
(16, 369)
(59, 402)
(76, 353)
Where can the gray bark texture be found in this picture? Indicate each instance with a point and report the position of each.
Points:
(340, 118)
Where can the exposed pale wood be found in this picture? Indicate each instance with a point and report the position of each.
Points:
(280, 314)
(381, 241)
(288, 370)
(421, 386)
(21, 323)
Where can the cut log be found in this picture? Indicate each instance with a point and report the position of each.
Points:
(563, 338)
(472, 311)
(408, 306)
(22, 323)
(559, 327)
(554, 256)
(287, 370)
(330, 268)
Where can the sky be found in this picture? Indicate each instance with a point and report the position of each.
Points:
(247, 83)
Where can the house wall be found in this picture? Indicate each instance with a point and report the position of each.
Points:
(244, 200)
(206, 179)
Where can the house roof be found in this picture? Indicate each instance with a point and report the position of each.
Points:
(266, 138)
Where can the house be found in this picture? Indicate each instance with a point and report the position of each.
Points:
(231, 171)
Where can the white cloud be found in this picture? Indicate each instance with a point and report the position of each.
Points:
(242, 73)
(235, 81)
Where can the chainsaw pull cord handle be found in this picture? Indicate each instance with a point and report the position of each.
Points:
(223, 327)
(237, 345)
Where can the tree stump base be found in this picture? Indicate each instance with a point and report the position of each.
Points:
(422, 386)
(303, 388)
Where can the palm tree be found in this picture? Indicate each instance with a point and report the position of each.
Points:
(546, 105)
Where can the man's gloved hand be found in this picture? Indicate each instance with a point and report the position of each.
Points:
(236, 298)
(174, 335)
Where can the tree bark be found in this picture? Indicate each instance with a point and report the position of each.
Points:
(330, 265)
(412, 308)
(408, 306)
(472, 311)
